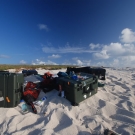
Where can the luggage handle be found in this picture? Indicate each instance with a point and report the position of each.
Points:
(94, 79)
(19, 89)
(87, 91)
(80, 85)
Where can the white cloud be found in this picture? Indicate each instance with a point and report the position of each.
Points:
(128, 36)
(115, 63)
(66, 49)
(119, 54)
(67, 63)
(51, 63)
(4, 56)
(128, 61)
(129, 49)
(23, 62)
(43, 27)
(54, 56)
(101, 55)
(114, 49)
(94, 46)
(79, 62)
(39, 62)
(101, 63)
(113, 54)
(86, 62)
(123, 61)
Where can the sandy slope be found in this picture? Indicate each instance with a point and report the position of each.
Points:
(112, 107)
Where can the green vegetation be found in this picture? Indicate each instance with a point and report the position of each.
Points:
(47, 67)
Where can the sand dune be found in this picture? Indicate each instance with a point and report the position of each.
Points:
(113, 107)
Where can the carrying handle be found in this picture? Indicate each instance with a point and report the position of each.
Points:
(19, 89)
(80, 85)
(87, 89)
(94, 79)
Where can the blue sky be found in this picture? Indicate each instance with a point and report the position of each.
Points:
(78, 32)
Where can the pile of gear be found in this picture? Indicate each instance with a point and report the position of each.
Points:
(76, 84)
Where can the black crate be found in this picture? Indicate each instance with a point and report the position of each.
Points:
(78, 90)
(29, 72)
(11, 85)
(100, 72)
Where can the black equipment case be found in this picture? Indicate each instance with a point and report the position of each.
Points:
(11, 85)
(29, 72)
(98, 71)
(2, 71)
(78, 90)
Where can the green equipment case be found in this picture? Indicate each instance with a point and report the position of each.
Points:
(11, 85)
(81, 87)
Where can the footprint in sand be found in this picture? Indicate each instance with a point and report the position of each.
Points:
(113, 77)
(101, 104)
(133, 77)
(120, 79)
(127, 105)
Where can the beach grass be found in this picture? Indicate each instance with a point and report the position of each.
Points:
(47, 67)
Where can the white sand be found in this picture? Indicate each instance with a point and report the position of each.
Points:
(112, 107)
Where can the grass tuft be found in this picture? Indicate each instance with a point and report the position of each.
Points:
(27, 67)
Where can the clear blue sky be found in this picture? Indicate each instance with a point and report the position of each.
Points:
(80, 32)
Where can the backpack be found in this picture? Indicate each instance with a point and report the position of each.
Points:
(30, 95)
(47, 83)
(62, 74)
(30, 85)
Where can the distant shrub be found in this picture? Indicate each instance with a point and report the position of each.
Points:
(27, 67)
